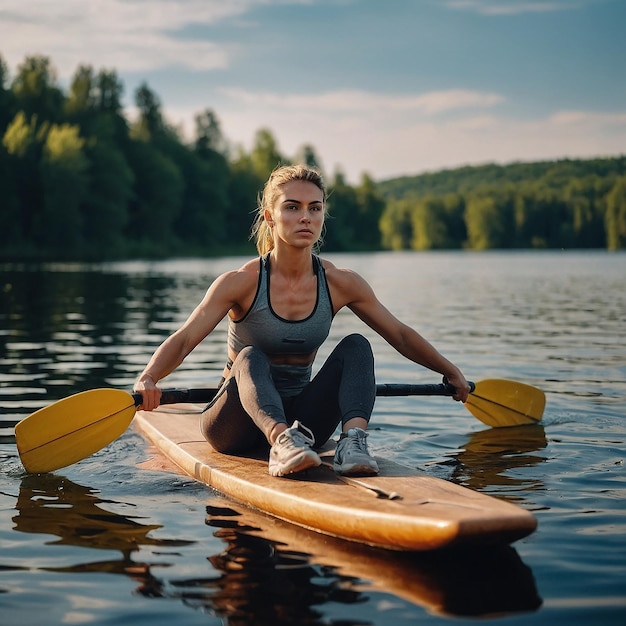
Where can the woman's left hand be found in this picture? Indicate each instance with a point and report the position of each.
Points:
(461, 386)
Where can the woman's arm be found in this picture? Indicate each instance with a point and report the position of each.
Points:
(225, 293)
(349, 289)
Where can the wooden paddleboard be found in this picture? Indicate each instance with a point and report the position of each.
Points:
(400, 509)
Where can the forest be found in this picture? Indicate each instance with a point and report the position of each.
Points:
(554, 204)
(80, 181)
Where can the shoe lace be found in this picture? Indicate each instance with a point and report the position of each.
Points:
(358, 442)
(300, 435)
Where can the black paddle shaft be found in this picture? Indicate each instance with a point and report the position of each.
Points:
(399, 389)
(172, 396)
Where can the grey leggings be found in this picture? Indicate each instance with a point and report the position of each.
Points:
(247, 405)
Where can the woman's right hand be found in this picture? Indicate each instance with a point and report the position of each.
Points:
(149, 391)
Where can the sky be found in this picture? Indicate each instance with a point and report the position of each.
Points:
(382, 87)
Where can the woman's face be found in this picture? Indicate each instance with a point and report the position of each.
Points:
(297, 217)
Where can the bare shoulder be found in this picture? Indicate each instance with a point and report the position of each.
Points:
(235, 289)
(246, 274)
(347, 287)
(341, 276)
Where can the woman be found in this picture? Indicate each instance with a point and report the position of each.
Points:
(280, 308)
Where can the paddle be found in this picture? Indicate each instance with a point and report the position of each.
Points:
(71, 429)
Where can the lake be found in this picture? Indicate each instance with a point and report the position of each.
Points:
(120, 538)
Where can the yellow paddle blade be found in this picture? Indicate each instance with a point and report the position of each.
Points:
(498, 403)
(73, 428)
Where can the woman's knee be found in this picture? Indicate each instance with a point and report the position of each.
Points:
(250, 358)
(357, 344)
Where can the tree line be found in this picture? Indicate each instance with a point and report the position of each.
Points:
(78, 180)
(553, 204)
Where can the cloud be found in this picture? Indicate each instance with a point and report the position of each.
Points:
(351, 102)
(391, 135)
(360, 127)
(587, 119)
(433, 145)
(513, 7)
(388, 135)
(428, 145)
(128, 35)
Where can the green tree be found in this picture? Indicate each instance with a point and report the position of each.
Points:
(208, 135)
(306, 155)
(616, 215)
(396, 225)
(244, 187)
(81, 99)
(11, 232)
(150, 123)
(36, 91)
(159, 189)
(553, 219)
(454, 218)
(108, 92)
(94, 103)
(23, 144)
(203, 217)
(343, 216)
(370, 209)
(200, 220)
(537, 216)
(64, 174)
(265, 156)
(7, 99)
(110, 121)
(585, 196)
(20, 136)
(429, 225)
(488, 223)
(157, 199)
(106, 207)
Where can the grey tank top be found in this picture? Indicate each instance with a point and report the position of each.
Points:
(263, 328)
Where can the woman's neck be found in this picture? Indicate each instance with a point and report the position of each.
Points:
(291, 262)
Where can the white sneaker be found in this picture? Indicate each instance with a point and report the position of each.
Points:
(292, 451)
(352, 458)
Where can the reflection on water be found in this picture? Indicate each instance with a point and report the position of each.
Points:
(263, 583)
(274, 559)
(74, 328)
(270, 572)
(54, 505)
(488, 460)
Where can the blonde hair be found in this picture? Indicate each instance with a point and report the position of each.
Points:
(261, 232)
